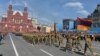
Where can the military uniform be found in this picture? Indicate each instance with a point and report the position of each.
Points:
(78, 43)
(88, 44)
(74, 39)
(60, 40)
(49, 38)
(46, 39)
(69, 42)
(34, 39)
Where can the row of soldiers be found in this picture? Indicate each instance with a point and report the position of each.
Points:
(73, 40)
(46, 38)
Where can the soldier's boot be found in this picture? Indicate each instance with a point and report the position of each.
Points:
(38, 41)
(85, 49)
(91, 51)
(33, 41)
(50, 43)
(43, 40)
(59, 44)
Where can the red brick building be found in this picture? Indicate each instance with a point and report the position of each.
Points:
(16, 21)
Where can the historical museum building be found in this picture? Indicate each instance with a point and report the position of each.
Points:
(16, 21)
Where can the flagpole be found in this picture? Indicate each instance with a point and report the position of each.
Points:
(54, 25)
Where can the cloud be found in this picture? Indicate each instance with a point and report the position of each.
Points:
(44, 20)
(76, 5)
(55, 14)
(18, 3)
(83, 12)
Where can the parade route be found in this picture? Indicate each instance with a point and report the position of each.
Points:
(50, 28)
(17, 46)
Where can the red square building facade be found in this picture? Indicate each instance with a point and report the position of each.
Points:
(16, 21)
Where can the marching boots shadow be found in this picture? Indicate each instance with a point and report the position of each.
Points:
(2, 43)
(80, 53)
(1, 55)
(63, 49)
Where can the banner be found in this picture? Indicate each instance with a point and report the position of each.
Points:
(82, 27)
(83, 24)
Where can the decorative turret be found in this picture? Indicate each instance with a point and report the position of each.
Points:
(10, 6)
(25, 8)
(25, 13)
(10, 12)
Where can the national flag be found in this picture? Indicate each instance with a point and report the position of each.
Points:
(83, 24)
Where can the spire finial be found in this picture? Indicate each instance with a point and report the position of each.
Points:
(25, 3)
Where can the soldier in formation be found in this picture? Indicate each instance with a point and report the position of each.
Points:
(1, 38)
(88, 44)
(73, 40)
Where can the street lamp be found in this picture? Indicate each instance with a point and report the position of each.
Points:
(27, 27)
(13, 27)
(20, 28)
(6, 27)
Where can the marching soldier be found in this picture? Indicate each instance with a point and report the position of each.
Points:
(38, 38)
(74, 39)
(55, 36)
(52, 39)
(46, 39)
(34, 39)
(45, 36)
(69, 42)
(60, 40)
(88, 44)
(66, 36)
(78, 43)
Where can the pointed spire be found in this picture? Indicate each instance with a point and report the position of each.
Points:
(25, 8)
(10, 5)
(25, 3)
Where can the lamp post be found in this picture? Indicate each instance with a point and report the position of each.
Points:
(20, 28)
(13, 27)
(6, 27)
(55, 17)
(55, 27)
(27, 27)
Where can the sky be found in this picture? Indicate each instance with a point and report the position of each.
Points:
(48, 11)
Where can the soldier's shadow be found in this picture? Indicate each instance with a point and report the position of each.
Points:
(66, 49)
(56, 45)
(2, 43)
(63, 49)
(80, 53)
(1, 55)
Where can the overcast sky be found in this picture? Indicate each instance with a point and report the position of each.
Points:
(48, 10)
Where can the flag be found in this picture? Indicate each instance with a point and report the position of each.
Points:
(83, 24)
